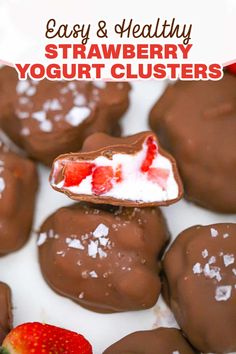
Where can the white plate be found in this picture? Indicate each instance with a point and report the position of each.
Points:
(32, 298)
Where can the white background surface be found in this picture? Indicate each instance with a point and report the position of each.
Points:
(32, 298)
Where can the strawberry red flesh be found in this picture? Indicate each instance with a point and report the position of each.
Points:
(41, 338)
(231, 68)
(150, 155)
(76, 172)
(102, 179)
(159, 176)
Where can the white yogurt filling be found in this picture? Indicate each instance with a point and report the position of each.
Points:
(135, 185)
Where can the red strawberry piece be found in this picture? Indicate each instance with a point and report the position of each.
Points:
(159, 176)
(38, 338)
(150, 155)
(75, 172)
(231, 68)
(118, 174)
(102, 179)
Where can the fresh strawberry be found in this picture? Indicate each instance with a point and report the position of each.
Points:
(150, 155)
(75, 172)
(102, 179)
(41, 338)
(159, 175)
(118, 174)
(232, 68)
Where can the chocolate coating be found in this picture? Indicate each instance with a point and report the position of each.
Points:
(48, 118)
(18, 187)
(200, 279)
(5, 311)
(105, 258)
(103, 145)
(196, 122)
(157, 341)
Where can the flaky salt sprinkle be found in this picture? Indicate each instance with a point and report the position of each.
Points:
(41, 239)
(40, 116)
(79, 100)
(234, 271)
(176, 352)
(22, 86)
(100, 231)
(102, 254)
(100, 84)
(93, 274)
(205, 253)
(46, 126)
(226, 235)
(214, 232)
(25, 131)
(228, 259)
(76, 244)
(197, 269)
(93, 248)
(2, 185)
(213, 272)
(223, 293)
(53, 105)
(212, 260)
(77, 115)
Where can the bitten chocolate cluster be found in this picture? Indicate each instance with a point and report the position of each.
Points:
(131, 171)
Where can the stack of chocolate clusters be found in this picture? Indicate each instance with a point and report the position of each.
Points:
(107, 251)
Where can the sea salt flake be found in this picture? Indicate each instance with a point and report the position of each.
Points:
(176, 352)
(46, 126)
(81, 295)
(228, 259)
(205, 253)
(103, 241)
(214, 232)
(76, 244)
(100, 231)
(77, 115)
(53, 105)
(41, 239)
(197, 269)
(80, 100)
(100, 84)
(25, 131)
(226, 235)
(223, 293)
(51, 233)
(212, 260)
(72, 86)
(23, 115)
(93, 274)
(213, 272)
(2, 185)
(68, 240)
(102, 254)
(31, 91)
(93, 249)
(22, 86)
(234, 271)
(40, 116)
(23, 100)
